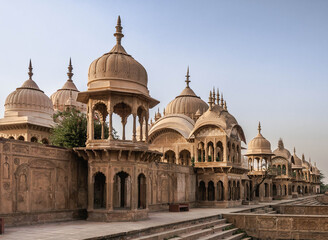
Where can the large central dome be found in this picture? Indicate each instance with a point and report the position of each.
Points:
(117, 70)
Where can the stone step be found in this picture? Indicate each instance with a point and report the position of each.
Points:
(272, 212)
(219, 235)
(182, 229)
(268, 209)
(204, 232)
(260, 211)
(236, 236)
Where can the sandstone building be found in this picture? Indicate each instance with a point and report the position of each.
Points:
(192, 153)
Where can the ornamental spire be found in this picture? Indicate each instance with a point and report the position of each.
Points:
(225, 106)
(259, 128)
(222, 101)
(214, 97)
(118, 33)
(30, 73)
(210, 100)
(187, 77)
(217, 97)
(70, 68)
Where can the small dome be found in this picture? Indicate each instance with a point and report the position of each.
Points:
(220, 117)
(61, 97)
(29, 100)
(259, 145)
(296, 161)
(187, 103)
(282, 151)
(117, 70)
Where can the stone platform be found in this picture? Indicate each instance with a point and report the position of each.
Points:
(85, 229)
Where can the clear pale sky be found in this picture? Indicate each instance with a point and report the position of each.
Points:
(269, 58)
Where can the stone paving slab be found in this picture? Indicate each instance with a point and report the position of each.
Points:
(82, 229)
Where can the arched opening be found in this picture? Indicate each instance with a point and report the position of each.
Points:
(285, 190)
(256, 164)
(202, 191)
(264, 167)
(266, 190)
(45, 141)
(247, 197)
(306, 189)
(219, 149)
(229, 151)
(274, 190)
(142, 191)
(21, 138)
(257, 191)
(220, 191)
(279, 170)
(201, 152)
(234, 191)
(122, 190)
(299, 189)
(238, 158)
(11, 137)
(233, 153)
(169, 156)
(99, 196)
(238, 190)
(229, 190)
(123, 111)
(293, 188)
(100, 128)
(210, 152)
(210, 191)
(250, 164)
(34, 139)
(283, 169)
(184, 157)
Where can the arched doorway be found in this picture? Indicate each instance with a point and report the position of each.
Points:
(34, 139)
(266, 190)
(274, 190)
(202, 191)
(122, 190)
(142, 191)
(21, 138)
(169, 156)
(210, 189)
(220, 191)
(184, 157)
(99, 197)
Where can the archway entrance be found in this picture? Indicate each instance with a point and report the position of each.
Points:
(122, 190)
(142, 191)
(210, 190)
(99, 199)
(202, 191)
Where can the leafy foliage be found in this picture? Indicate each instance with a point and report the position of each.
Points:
(323, 187)
(71, 129)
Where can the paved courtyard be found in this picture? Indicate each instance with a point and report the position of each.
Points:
(85, 229)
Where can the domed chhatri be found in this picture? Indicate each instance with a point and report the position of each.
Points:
(29, 100)
(117, 70)
(67, 94)
(259, 145)
(187, 103)
(28, 113)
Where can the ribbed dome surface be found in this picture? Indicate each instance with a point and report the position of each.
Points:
(117, 70)
(187, 103)
(259, 145)
(297, 161)
(28, 98)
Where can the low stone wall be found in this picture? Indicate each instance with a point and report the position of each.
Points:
(323, 199)
(17, 219)
(301, 209)
(276, 226)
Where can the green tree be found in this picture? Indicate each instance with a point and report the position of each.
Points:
(71, 129)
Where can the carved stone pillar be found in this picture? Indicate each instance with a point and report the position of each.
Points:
(110, 125)
(134, 135)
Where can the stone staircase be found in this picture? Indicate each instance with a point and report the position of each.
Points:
(309, 202)
(265, 210)
(205, 229)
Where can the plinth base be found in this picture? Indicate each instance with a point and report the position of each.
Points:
(117, 215)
